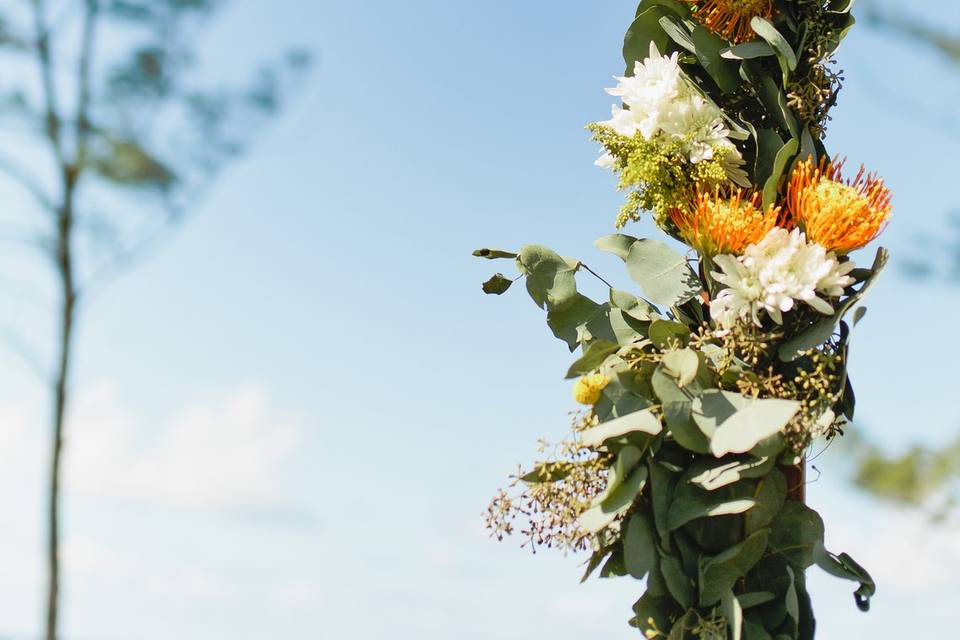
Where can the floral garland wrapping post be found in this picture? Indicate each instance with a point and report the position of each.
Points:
(703, 396)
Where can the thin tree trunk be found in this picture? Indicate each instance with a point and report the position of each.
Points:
(59, 393)
(64, 260)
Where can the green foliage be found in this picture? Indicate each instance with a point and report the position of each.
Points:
(676, 473)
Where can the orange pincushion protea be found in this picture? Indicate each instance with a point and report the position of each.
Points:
(731, 18)
(838, 215)
(717, 223)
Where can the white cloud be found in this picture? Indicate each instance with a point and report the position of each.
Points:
(229, 453)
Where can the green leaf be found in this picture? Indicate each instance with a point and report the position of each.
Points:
(662, 483)
(592, 358)
(755, 599)
(661, 609)
(753, 631)
(662, 273)
(843, 566)
(794, 534)
(733, 613)
(616, 243)
(821, 331)
(770, 494)
(840, 6)
(752, 424)
(493, 254)
(128, 163)
(791, 601)
(681, 364)
(642, 421)
(715, 407)
(550, 277)
(677, 405)
(667, 334)
(621, 397)
(719, 573)
(690, 502)
(772, 186)
(714, 474)
(600, 515)
(639, 547)
(769, 144)
(580, 320)
(785, 53)
(636, 308)
(497, 284)
(678, 582)
(708, 47)
(748, 50)
(594, 562)
(644, 30)
(672, 26)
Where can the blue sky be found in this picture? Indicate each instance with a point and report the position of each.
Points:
(290, 420)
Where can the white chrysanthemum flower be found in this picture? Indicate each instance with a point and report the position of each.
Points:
(775, 273)
(660, 100)
(655, 84)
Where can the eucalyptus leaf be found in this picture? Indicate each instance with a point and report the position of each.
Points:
(667, 334)
(770, 494)
(664, 275)
(639, 546)
(733, 613)
(497, 284)
(714, 474)
(642, 421)
(794, 534)
(843, 566)
(719, 573)
(748, 50)
(750, 425)
(550, 277)
(593, 356)
(681, 364)
(691, 502)
(494, 254)
(616, 243)
(598, 516)
(679, 584)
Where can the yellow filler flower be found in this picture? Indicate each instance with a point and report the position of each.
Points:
(719, 224)
(731, 18)
(588, 388)
(838, 215)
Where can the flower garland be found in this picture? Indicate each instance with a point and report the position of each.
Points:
(702, 396)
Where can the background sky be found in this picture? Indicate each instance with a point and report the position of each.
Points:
(288, 423)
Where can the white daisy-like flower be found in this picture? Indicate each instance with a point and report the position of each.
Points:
(775, 273)
(661, 101)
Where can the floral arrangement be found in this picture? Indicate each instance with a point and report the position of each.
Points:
(702, 396)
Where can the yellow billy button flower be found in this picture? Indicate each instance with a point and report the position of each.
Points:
(724, 224)
(588, 388)
(731, 18)
(838, 215)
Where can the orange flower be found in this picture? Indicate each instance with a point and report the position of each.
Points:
(731, 18)
(717, 223)
(838, 215)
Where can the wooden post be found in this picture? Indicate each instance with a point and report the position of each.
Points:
(796, 476)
